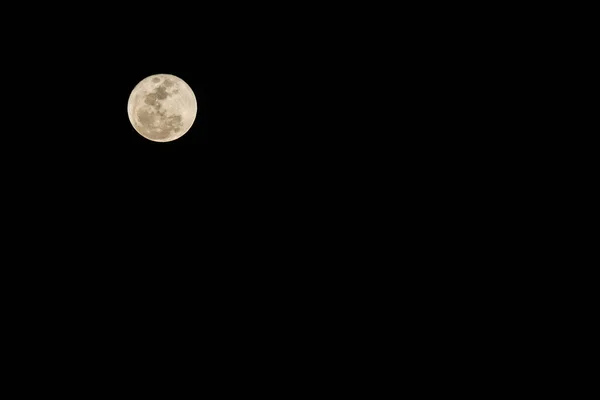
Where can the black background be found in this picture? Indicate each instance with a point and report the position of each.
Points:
(266, 213)
(258, 203)
(268, 171)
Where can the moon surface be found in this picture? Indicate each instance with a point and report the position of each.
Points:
(162, 107)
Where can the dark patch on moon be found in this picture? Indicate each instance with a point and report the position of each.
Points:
(174, 121)
(166, 128)
(153, 98)
(172, 124)
(146, 117)
(155, 80)
(150, 99)
(161, 93)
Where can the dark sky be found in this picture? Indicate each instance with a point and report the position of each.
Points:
(263, 199)
(266, 154)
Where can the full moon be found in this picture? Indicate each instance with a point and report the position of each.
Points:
(162, 108)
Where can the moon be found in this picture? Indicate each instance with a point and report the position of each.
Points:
(162, 107)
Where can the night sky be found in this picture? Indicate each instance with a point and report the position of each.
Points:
(264, 161)
(251, 228)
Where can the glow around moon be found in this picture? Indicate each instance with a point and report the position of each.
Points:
(162, 108)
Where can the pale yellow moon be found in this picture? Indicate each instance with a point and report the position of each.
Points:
(162, 108)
